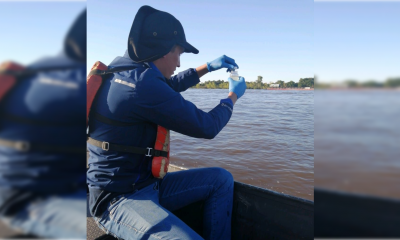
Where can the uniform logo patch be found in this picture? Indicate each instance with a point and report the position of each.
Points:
(55, 82)
(125, 83)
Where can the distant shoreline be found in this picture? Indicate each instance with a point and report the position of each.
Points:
(272, 89)
(293, 89)
(361, 89)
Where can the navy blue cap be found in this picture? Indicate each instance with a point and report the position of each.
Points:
(154, 33)
(75, 40)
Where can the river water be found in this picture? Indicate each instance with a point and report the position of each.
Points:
(268, 142)
(357, 141)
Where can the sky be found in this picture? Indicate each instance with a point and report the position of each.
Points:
(272, 39)
(279, 40)
(356, 40)
(33, 30)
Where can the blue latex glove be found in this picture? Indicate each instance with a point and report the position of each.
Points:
(222, 62)
(238, 87)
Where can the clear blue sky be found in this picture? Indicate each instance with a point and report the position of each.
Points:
(32, 30)
(356, 40)
(276, 39)
(271, 38)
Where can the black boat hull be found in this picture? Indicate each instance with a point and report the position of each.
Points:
(257, 214)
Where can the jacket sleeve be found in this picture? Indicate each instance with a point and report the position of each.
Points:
(184, 80)
(158, 103)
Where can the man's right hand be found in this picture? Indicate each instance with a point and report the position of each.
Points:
(222, 62)
(238, 87)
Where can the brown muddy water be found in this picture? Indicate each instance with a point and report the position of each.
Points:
(268, 142)
(357, 141)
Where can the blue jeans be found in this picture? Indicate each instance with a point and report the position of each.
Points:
(62, 216)
(146, 214)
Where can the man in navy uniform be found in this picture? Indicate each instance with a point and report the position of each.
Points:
(126, 200)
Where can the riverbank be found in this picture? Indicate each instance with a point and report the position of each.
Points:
(360, 89)
(293, 89)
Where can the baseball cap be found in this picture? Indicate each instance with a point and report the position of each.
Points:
(154, 33)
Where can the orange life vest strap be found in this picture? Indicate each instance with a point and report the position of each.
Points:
(93, 84)
(7, 79)
(159, 167)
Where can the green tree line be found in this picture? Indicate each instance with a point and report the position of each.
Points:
(257, 84)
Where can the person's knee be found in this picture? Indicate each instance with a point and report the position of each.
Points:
(224, 177)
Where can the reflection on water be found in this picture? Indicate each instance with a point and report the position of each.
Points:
(269, 141)
(357, 141)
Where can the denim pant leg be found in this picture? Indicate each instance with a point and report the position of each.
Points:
(214, 185)
(140, 216)
(61, 216)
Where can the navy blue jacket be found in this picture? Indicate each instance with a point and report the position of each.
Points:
(142, 96)
(47, 108)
